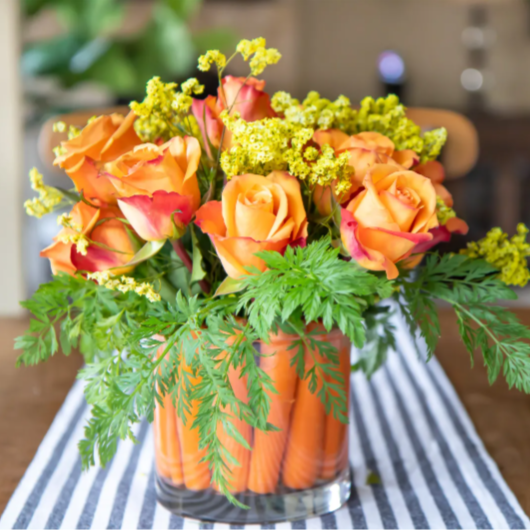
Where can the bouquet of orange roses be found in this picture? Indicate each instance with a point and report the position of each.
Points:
(222, 254)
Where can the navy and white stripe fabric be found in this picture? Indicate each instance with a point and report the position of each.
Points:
(407, 427)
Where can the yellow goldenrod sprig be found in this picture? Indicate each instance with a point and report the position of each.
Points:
(48, 197)
(72, 234)
(316, 112)
(155, 112)
(383, 115)
(212, 57)
(274, 144)
(508, 255)
(254, 51)
(248, 47)
(124, 284)
(79, 240)
(66, 221)
(165, 113)
(443, 212)
(192, 86)
(61, 127)
(260, 57)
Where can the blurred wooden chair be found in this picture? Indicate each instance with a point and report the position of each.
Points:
(461, 150)
(459, 155)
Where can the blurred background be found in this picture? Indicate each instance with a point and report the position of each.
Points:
(469, 56)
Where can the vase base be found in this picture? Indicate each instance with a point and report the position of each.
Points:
(290, 505)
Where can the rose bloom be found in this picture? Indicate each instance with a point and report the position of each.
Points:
(256, 213)
(249, 100)
(104, 139)
(366, 149)
(434, 171)
(385, 222)
(99, 225)
(157, 186)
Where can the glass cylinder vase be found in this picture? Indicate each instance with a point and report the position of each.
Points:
(300, 471)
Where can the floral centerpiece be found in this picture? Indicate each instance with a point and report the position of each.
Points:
(220, 257)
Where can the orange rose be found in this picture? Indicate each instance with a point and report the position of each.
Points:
(207, 112)
(246, 96)
(443, 233)
(256, 213)
(436, 172)
(366, 149)
(242, 95)
(110, 246)
(384, 223)
(157, 186)
(104, 139)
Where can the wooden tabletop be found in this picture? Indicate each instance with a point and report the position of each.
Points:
(31, 397)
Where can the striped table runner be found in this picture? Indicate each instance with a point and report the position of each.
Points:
(407, 427)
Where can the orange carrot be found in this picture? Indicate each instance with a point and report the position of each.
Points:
(238, 477)
(269, 447)
(335, 457)
(196, 473)
(173, 444)
(160, 428)
(303, 458)
(167, 444)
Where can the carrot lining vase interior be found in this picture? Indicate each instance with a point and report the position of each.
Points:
(298, 471)
(217, 255)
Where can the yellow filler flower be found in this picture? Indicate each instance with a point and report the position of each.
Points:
(508, 255)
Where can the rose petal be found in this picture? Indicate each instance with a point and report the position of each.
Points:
(291, 186)
(421, 185)
(123, 140)
(371, 141)
(96, 187)
(443, 193)
(406, 158)
(153, 217)
(433, 170)
(332, 137)
(236, 253)
(187, 154)
(209, 218)
(368, 209)
(234, 188)
(245, 96)
(255, 220)
(112, 234)
(457, 226)
(210, 125)
(394, 245)
(89, 142)
(368, 258)
(440, 234)
(59, 253)
(402, 213)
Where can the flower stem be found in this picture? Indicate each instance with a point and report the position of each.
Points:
(182, 253)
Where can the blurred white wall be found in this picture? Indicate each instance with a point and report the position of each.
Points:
(11, 285)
